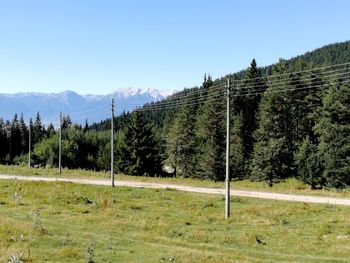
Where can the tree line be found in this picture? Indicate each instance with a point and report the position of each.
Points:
(295, 126)
(287, 121)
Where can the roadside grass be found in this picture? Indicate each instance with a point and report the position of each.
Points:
(292, 186)
(66, 222)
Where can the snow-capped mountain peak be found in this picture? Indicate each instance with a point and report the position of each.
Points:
(79, 107)
(132, 91)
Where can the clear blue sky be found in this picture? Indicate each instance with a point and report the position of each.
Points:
(97, 47)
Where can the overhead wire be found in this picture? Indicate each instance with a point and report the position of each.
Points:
(293, 80)
(293, 72)
(197, 98)
(336, 73)
(195, 103)
(191, 97)
(213, 92)
(183, 93)
(174, 99)
(263, 88)
(175, 106)
(288, 89)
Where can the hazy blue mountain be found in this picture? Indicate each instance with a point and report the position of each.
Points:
(94, 108)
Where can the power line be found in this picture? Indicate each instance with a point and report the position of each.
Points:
(199, 99)
(187, 104)
(189, 100)
(293, 80)
(293, 72)
(182, 94)
(196, 102)
(289, 89)
(193, 98)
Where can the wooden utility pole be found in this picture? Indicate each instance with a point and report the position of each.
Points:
(112, 143)
(227, 199)
(29, 143)
(60, 146)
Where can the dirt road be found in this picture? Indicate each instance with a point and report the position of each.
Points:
(204, 190)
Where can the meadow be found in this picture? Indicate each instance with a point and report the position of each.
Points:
(65, 222)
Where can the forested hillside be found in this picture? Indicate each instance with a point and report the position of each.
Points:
(290, 119)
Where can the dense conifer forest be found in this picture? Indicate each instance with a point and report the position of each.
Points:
(290, 119)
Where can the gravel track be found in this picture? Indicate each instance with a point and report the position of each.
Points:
(203, 190)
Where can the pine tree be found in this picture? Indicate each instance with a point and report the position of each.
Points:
(86, 126)
(273, 158)
(253, 84)
(207, 83)
(8, 148)
(246, 105)
(138, 153)
(15, 138)
(334, 132)
(310, 108)
(24, 134)
(38, 130)
(211, 132)
(3, 140)
(50, 130)
(66, 122)
(309, 165)
(238, 162)
(181, 143)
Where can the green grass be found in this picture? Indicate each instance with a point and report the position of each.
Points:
(289, 186)
(147, 225)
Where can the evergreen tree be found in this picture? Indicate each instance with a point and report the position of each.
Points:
(66, 122)
(246, 105)
(86, 126)
(238, 162)
(334, 132)
(207, 83)
(15, 138)
(211, 133)
(181, 143)
(50, 130)
(38, 130)
(310, 109)
(271, 162)
(273, 158)
(309, 165)
(3, 140)
(104, 158)
(24, 135)
(139, 148)
(8, 147)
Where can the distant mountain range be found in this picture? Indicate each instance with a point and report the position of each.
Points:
(92, 108)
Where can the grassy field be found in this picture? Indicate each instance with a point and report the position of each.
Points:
(289, 186)
(61, 222)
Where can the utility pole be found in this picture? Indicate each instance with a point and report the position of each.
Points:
(227, 199)
(60, 146)
(112, 143)
(30, 143)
